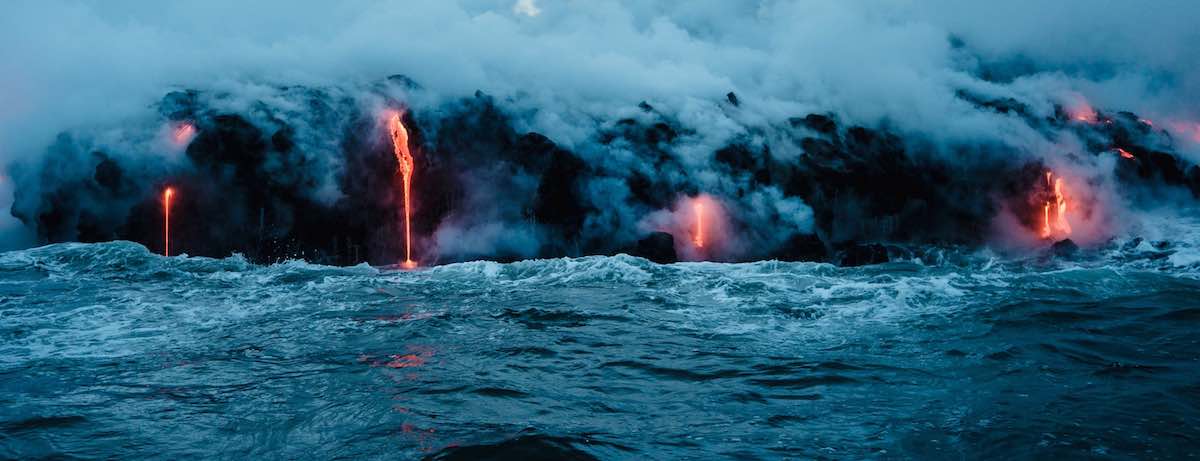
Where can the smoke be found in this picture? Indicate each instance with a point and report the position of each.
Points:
(640, 105)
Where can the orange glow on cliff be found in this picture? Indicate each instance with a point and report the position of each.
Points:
(698, 235)
(1078, 109)
(1124, 153)
(405, 164)
(167, 195)
(1187, 129)
(1083, 114)
(1054, 212)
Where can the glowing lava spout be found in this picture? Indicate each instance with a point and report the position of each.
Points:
(698, 236)
(183, 133)
(404, 160)
(167, 194)
(1054, 212)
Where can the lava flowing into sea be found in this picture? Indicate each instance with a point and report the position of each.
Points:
(183, 133)
(1054, 211)
(405, 164)
(698, 235)
(167, 195)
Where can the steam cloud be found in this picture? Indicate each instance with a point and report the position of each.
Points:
(565, 128)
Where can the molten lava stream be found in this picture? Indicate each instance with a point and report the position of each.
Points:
(167, 194)
(1057, 207)
(404, 160)
(698, 236)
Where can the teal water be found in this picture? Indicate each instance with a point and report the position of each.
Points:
(110, 352)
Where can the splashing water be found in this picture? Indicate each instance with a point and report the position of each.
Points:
(119, 353)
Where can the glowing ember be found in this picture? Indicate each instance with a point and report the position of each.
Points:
(167, 194)
(404, 160)
(1124, 153)
(1054, 212)
(698, 236)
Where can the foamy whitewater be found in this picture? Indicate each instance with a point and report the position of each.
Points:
(110, 351)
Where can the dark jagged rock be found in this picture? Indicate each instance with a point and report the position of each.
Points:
(228, 140)
(179, 105)
(737, 156)
(558, 202)
(823, 124)
(658, 247)
(660, 133)
(871, 185)
(1193, 180)
(404, 81)
(247, 183)
(862, 254)
(802, 247)
(1064, 248)
(1001, 105)
(733, 99)
(109, 174)
(742, 160)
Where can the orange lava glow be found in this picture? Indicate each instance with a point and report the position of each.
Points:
(183, 133)
(698, 235)
(1084, 114)
(167, 195)
(404, 160)
(1054, 212)
(1078, 109)
(1124, 153)
(1187, 129)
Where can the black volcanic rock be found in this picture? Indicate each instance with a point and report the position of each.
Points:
(179, 105)
(733, 99)
(1001, 105)
(658, 247)
(1064, 248)
(823, 124)
(558, 202)
(802, 247)
(404, 81)
(862, 254)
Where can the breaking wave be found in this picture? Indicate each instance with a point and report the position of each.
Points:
(110, 350)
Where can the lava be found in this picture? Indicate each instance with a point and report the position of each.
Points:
(1083, 112)
(183, 133)
(698, 235)
(1124, 153)
(404, 161)
(167, 194)
(1054, 211)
